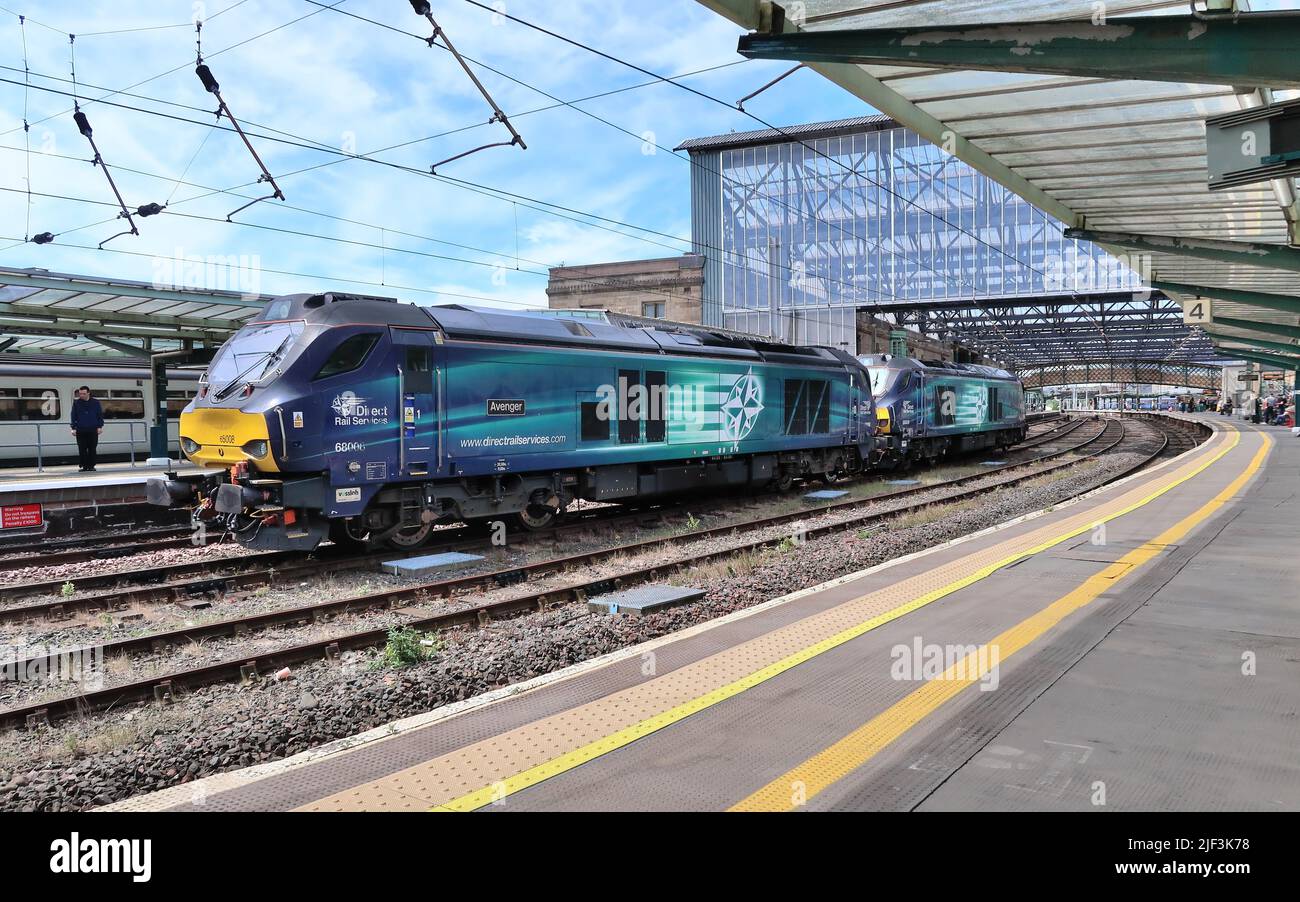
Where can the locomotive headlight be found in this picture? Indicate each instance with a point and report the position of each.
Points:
(257, 449)
(189, 446)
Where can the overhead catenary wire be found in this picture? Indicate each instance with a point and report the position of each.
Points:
(422, 8)
(167, 72)
(516, 198)
(526, 201)
(497, 11)
(489, 264)
(857, 289)
(212, 87)
(83, 126)
(494, 253)
(790, 317)
(344, 157)
(660, 78)
(537, 204)
(27, 129)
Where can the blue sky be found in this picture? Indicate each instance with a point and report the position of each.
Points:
(350, 85)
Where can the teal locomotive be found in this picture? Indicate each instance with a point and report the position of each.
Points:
(364, 420)
(926, 411)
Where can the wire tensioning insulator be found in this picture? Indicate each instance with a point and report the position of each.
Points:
(83, 124)
(205, 75)
(149, 210)
(43, 238)
(421, 7)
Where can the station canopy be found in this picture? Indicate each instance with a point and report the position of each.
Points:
(1100, 122)
(56, 315)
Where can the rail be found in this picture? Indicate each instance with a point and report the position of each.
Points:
(65, 428)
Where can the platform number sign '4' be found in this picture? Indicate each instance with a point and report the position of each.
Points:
(1198, 312)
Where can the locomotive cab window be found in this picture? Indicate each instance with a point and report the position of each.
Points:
(417, 375)
(349, 355)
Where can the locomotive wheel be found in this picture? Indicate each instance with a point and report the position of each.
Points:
(341, 535)
(537, 516)
(785, 481)
(410, 537)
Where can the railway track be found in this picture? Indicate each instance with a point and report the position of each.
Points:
(164, 583)
(169, 583)
(194, 579)
(90, 548)
(1113, 434)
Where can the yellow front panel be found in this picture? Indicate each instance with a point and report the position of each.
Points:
(222, 434)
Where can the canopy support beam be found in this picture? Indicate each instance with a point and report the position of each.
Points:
(1248, 253)
(1284, 302)
(1242, 50)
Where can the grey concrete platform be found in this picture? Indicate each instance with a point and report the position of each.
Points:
(1141, 695)
(64, 486)
(1138, 699)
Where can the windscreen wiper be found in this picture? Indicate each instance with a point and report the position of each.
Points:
(269, 356)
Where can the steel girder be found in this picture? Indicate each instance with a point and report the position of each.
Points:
(1146, 372)
(1039, 330)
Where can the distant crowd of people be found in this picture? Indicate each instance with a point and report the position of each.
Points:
(1275, 410)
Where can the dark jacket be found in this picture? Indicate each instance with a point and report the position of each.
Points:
(87, 415)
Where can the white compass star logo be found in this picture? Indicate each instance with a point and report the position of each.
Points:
(741, 409)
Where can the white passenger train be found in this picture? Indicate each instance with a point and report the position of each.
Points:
(36, 399)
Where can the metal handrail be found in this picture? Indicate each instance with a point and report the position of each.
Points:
(46, 424)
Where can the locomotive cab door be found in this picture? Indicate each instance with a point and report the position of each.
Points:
(862, 414)
(417, 420)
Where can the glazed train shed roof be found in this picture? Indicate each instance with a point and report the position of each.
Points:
(1100, 124)
(47, 314)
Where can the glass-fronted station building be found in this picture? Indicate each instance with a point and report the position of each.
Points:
(802, 228)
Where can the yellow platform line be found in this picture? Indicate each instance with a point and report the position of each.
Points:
(570, 760)
(832, 764)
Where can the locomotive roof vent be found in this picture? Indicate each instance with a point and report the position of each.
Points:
(320, 300)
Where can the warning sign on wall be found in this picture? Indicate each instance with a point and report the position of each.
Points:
(20, 516)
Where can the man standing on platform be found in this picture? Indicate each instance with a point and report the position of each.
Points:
(87, 423)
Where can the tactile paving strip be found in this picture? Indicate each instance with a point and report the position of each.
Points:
(474, 775)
